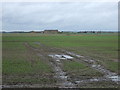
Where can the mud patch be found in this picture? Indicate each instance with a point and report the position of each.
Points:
(107, 75)
(73, 54)
(38, 43)
(62, 77)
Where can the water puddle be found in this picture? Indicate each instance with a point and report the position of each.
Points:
(112, 78)
(60, 56)
(60, 74)
(115, 78)
(73, 54)
(90, 61)
(68, 85)
(91, 80)
(58, 60)
(95, 79)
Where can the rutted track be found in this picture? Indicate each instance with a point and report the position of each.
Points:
(108, 75)
(61, 76)
(54, 55)
(64, 79)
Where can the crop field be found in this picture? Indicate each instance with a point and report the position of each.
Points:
(60, 60)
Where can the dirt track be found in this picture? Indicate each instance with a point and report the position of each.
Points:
(63, 78)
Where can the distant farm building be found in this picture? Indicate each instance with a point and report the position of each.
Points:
(51, 31)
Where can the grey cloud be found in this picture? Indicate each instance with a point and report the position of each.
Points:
(63, 16)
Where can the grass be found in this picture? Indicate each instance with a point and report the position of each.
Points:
(113, 66)
(76, 69)
(35, 44)
(20, 65)
(72, 65)
(17, 60)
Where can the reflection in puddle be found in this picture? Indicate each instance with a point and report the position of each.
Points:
(114, 78)
(63, 77)
(58, 56)
(95, 79)
(58, 60)
(73, 54)
(93, 66)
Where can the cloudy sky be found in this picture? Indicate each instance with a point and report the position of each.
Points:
(64, 16)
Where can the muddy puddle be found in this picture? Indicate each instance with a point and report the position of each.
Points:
(108, 75)
(61, 56)
(62, 77)
(114, 78)
(90, 80)
(73, 54)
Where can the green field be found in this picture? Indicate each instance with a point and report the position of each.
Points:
(22, 65)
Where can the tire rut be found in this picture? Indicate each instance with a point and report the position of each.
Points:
(108, 75)
(60, 75)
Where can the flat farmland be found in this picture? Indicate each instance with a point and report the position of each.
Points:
(60, 60)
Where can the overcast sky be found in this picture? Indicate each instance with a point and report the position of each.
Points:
(67, 16)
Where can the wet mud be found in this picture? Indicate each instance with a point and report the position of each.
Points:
(64, 79)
